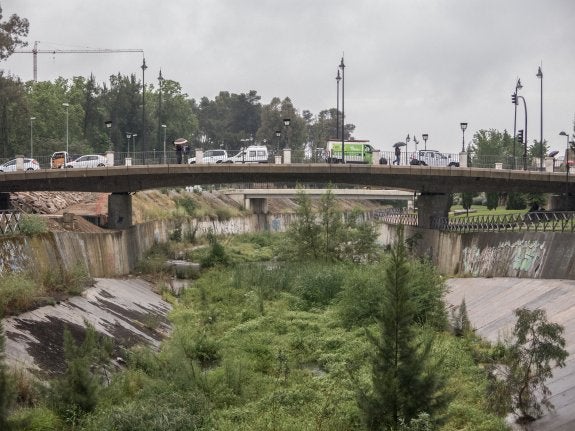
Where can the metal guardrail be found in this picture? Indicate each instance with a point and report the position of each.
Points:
(396, 216)
(541, 221)
(10, 222)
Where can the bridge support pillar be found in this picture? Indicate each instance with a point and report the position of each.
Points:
(119, 211)
(430, 206)
(4, 201)
(561, 203)
(257, 205)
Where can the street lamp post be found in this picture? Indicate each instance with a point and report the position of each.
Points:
(525, 134)
(109, 127)
(518, 87)
(425, 136)
(337, 78)
(32, 137)
(128, 136)
(66, 105)
(540, 76)
(134, 135)
(278, 135)
(463, 127)
(160, 117)
(342, 67)
(164, 127)
(144, 67)
(562, 133)
(287, 122)
(407, 139)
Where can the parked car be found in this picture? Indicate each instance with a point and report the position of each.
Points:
(29, 165)
(88, 161)
(251, 154)
(434, 158)
(212, 156)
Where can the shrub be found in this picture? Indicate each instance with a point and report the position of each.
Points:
(18, 293)
(188, 204)
(32, 224)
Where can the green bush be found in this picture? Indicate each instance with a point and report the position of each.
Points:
(34, 419)
(188, 204)
(32, 224)
(18, 293)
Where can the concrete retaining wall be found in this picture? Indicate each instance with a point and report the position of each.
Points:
(115, 253)
(493, 254)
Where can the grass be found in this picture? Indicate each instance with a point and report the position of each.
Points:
(481, 210)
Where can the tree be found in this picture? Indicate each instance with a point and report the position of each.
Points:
(466, 201)
(536, 348)
(304, 233)
(492, 199)
(11, 33)
(404, 383)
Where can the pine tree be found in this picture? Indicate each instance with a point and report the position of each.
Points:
(404, 384)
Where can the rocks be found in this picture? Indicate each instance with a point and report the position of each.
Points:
(48, 202)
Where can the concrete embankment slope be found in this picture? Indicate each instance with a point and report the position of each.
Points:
(490, 304)
(126, 310)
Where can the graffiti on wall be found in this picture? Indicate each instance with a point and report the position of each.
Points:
(512, 259)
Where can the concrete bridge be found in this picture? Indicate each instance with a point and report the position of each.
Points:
(432, 183)
(256, 199)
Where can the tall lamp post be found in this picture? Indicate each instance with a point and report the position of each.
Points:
(518, 87)
(66, 105)
(278, 135)
(540, 76)
(134, 135)
(425, 136)
(164, 127)
(128, 136)
(463, 127)
(144, 67)
(109, 127)
(287, 122)
(407, 139)
(337, 78)
(562, 133)
(342, 67)
(524, 134)
(32, 136)
(160, 117)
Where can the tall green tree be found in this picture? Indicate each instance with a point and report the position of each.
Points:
(404, 384)
(12, 34)
(536, 347)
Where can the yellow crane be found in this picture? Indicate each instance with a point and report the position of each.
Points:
(35, 51)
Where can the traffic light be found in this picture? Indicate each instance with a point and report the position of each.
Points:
(514, 99)
(520, 136)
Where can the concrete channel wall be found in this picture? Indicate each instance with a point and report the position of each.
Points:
(549, 255)
(115, 253)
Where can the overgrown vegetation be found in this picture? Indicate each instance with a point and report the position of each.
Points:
(32, 224)
(343, 339)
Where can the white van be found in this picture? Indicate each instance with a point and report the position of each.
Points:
(251, 154)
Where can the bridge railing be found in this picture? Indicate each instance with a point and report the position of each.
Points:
(396, 216)
(541, 221)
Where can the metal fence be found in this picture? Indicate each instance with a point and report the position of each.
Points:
(156, 157)
(396, 216)
(9, 222)
(542, 221)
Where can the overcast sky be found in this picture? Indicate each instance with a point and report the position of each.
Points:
(412, 66)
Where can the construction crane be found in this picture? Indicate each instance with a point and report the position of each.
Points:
(35, 51)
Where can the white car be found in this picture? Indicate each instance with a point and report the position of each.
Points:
(29, 165)
(212, 156)
(88, 161)
(252, 154)
(434, 158)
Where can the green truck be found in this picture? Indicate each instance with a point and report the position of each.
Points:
(355, 152)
